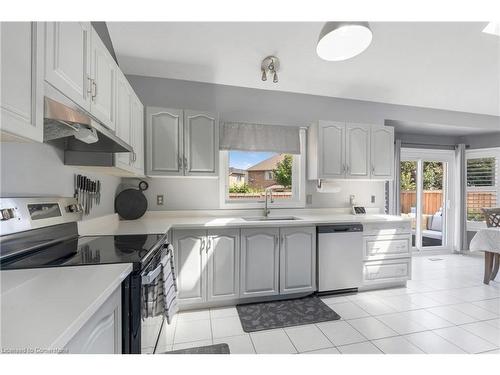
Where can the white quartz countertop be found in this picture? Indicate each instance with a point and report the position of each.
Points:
(42, 309)
(160, 222)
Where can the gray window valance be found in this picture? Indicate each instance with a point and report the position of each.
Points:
(259, 137)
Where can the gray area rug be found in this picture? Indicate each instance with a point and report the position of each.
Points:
(278, 314)
(209, 349)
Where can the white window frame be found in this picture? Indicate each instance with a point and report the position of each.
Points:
(298, 183)
(477, 154)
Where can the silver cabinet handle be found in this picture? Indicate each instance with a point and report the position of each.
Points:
(185, 163)
(202, 247)
(344, 168)
(179, 163)
(89, 88)
(94, 89)
(276, 240)
(209, 244)
(282, 239)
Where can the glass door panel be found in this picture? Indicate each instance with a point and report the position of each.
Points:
(408, 193)
(433, 199)
(424, 197)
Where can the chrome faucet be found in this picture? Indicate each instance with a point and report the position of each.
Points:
(268, 191)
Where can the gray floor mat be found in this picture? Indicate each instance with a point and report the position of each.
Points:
(278, 314)
(209, 349)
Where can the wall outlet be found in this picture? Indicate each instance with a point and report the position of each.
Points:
(373, 198)
(309, 199)
(159, 200)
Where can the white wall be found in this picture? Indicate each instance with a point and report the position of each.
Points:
(203, 194)
(35, 169)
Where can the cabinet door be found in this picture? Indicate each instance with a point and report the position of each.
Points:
(201, 143)
(102, 333)
(67, 59)
(382, 152)
(331, 142)
(21, 66)
(103, 72)
(357, 151)
(164, 134)
(259, 262)
(190, 261)
(297, 260)
(223, 264)
(138, 135)
(124, 118)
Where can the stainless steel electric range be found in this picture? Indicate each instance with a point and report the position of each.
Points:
(43, 232)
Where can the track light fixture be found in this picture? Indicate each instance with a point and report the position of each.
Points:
(271, 65)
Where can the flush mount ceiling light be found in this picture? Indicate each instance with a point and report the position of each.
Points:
(492, 28)
(270, 65)
(342, 40)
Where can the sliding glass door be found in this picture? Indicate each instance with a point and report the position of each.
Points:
(426, 194)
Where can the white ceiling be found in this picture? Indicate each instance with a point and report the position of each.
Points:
(446, 65)
(435, 129)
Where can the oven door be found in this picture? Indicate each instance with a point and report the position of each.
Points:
(151, 326)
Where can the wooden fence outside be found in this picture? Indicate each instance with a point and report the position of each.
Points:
(433, 200)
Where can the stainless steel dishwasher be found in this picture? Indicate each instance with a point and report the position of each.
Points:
(340, 257)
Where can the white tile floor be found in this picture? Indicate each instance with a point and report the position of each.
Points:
(445, 308)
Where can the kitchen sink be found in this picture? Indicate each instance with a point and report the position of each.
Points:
(271, 218)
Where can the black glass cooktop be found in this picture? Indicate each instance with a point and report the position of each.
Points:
(90, 251)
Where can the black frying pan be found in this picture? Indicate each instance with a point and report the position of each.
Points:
(131, 203)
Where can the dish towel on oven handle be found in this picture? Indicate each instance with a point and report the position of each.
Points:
(160, 297)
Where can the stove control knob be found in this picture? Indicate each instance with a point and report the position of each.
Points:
(6, 214)
(73, 208)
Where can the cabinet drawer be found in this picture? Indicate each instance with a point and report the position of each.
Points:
(383, 247)
(387, 228)
(375, 272)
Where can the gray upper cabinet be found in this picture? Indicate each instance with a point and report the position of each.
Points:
(190, 263)
(137, 135)
(21, 66)
(326, 150)
(339, 150)
(297, 260)
(164, 141)
(103, 73)
(129, 127)
(223, 265)
(201, 143)
(382, 152)
(123, 118)
(259, 262)
(357, 151)
(67, 60)
(181, 143)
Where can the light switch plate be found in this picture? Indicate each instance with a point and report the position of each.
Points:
(373, 198)
(159, 200)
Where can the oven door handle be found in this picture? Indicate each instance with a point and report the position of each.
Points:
(151, 276)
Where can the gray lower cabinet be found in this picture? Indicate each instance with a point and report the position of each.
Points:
(297, 260)
(207, 264)
(102, 333)
(223, 264)
(259, 262)
(190, 259)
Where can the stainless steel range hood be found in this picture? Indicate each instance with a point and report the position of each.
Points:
(80, 131)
